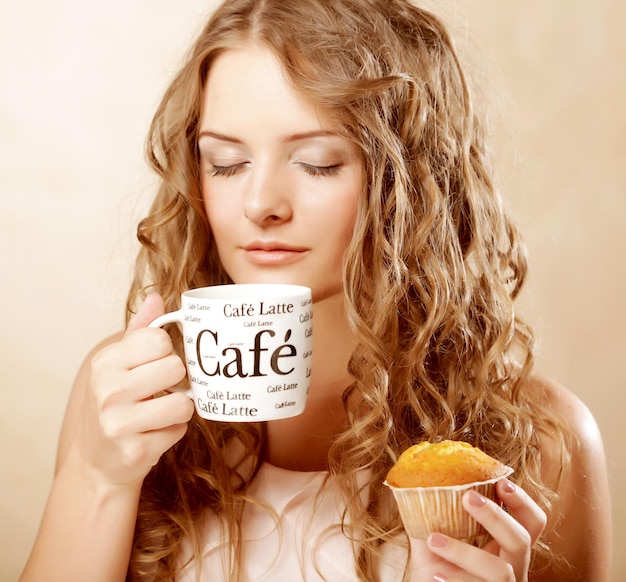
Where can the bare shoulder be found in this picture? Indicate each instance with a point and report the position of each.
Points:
(569, 410)
(585, 441)
(76, 399)
(582, 514)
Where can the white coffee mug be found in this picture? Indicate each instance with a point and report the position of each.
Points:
(247, 349)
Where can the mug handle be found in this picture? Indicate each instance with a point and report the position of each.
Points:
(173, 317)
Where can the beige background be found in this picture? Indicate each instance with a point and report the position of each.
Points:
(78, 84)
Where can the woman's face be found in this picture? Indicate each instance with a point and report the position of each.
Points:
(280, 185)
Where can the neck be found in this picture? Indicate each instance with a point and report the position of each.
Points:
(302, 442)
(333, 344)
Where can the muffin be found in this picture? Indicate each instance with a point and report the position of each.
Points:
(428, 482)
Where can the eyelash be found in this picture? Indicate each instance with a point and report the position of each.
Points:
(321, 171)
(315, 171)
(224, 171)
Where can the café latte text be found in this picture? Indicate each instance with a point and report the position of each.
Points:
(251, 310)
(263, 357)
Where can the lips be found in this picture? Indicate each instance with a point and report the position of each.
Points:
(273, 253)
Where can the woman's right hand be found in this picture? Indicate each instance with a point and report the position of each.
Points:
(126, 422)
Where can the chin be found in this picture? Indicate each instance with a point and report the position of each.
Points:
(322, 290)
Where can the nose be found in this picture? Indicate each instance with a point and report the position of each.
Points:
(267, 201)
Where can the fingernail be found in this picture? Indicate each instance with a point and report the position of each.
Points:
(440, 578)
(507, 486)
(476, 499)
(437, 540)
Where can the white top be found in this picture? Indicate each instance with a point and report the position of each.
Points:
(301, 546)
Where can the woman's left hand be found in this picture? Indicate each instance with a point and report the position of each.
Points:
(505, 558)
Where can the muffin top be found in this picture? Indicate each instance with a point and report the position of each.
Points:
(444, 464)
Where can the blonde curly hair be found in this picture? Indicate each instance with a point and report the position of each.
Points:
(430, 275)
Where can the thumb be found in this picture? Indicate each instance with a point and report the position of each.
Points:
(152, 306)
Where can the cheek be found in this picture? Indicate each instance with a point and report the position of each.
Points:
(206, 202)
(347, 210)
(216, 212)
(345, 231)
(332, 217)
(339, 205)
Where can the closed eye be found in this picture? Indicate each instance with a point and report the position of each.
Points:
(320, 171)
(225, 171)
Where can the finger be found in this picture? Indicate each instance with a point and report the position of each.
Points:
(522, 508)
(152, 306)
(144, 345)
(146, 449)
(440, 577)
(425, 564)
(167, 411)
(151, 415)
(170, 435)
(512, 537)
(469, 559)
(110, 366)
(147, 380)
(419, 551)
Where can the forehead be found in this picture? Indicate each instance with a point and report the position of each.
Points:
(250, 82)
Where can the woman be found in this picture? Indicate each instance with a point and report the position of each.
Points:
(333, 144)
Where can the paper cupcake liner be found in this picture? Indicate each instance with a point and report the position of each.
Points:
(425, 510)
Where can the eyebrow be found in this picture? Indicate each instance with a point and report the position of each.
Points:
(286, 139)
